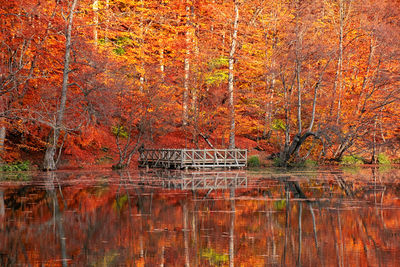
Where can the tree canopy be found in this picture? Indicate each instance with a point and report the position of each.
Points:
(297, 79)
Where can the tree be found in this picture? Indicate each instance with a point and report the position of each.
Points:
(297, 73)
(231, 75)
(49, 162)
(17, 61)
(300, 78)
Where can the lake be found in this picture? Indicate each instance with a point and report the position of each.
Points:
(323, 217)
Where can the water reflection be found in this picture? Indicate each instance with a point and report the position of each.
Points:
(51, 183)
(320, 218)
(194, 180)
(2, 209)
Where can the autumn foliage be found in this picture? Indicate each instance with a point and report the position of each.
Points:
(311, 79)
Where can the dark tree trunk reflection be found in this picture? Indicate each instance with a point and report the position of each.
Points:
(232, 228)
(57, 215)
(2, 209)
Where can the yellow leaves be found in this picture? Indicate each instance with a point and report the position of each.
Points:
(217, 77)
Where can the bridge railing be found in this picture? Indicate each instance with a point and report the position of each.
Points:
(193, 158)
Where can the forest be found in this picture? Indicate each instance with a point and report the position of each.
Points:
(92, 81)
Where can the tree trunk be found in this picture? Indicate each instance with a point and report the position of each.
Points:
(231, 79)
(187, 68)
(374, 159)
(299, 47)
(49, 162)
(142, 72)
(337, 90)
(108, 19)
(298, 71)
(162, 64)
(344, 145)
(127, 150)
(2, 140)
(344, 11)
(96, 19)
(196, 85)
(270, 84)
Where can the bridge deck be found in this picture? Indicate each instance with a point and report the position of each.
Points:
(193, 158)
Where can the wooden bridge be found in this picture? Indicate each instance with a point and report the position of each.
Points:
(193, 158)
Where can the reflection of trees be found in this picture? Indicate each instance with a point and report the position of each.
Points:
(300, 235)
(271, 242)
(362, 226)
(57, 215)
(287, 226)
(2, 209)
(295, 188)
(186, 234)
(287, 221)
(232, 228)
(144, 201)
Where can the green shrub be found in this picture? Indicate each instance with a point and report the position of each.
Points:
(383, 159)
(308, 163)
(254, 162)
(352, 160)
(277, 162)
(16, 166)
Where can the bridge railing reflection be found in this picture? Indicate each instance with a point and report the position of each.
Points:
(194, 180)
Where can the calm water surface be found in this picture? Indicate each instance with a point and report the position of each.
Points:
(302, 218)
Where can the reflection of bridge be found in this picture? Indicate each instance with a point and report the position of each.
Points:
(193, 158)
(195, 180)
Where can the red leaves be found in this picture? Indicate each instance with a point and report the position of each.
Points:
(133, 74)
